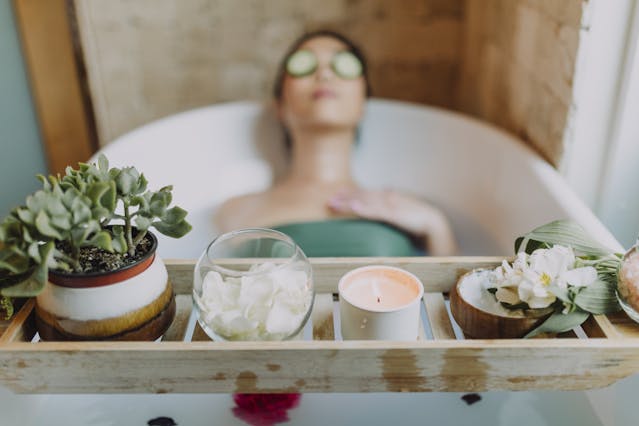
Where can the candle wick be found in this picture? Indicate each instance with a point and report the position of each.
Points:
(376, 291)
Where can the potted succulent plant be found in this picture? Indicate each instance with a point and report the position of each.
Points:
(82, 246)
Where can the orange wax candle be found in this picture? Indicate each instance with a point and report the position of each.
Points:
(380, 303)
(380, 289)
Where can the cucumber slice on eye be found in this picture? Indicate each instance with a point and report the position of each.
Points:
(347, 65)
(301, 63)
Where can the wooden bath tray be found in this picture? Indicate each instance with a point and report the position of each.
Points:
(602, 351)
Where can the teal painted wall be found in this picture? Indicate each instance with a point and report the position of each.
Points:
(21, 152)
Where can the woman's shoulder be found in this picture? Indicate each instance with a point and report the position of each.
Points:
(236, 212)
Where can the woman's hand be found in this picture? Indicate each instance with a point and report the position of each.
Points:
(408, 213)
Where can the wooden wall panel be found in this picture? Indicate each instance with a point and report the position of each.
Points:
(151, 58)
(518, 66)
(63, 113)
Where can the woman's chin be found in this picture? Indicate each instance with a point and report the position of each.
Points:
(331, 121)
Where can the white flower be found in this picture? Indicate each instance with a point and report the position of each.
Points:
(533, 279)
(267, 304)
(579, 277)
(553, 261)
(534, 289)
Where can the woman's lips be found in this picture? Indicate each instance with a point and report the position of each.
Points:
(323, 94)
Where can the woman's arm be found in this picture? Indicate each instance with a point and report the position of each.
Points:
(408, 213)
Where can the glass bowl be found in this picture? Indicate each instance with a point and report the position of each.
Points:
(253, 284)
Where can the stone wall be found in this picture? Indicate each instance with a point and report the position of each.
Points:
(147, 59)
(518, 64)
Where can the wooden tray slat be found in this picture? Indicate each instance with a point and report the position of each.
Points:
(316, 366)
(22, 328)
(177, 330)
(438, 318)
(199, 335)
(622, 326)
(322, 317)
(438, 274)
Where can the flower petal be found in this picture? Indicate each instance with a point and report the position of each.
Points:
(580, 277)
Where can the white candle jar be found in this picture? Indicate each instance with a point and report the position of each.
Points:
(380, 303)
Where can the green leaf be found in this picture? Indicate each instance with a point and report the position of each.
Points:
(127, 180)
(528, 245)
(175, 230)
(118, 239)
(81, 235)
(37, 201)
(174, 215)
(598, 298)
(46, 252)
(109, 198)
(45, 183)
(561, 293)
(15, 264)
(81, 211)
(61, 222)
(34, 252)
(558, 323)
(30, 287)
(142, 201)
(101, 240)
(566, 233)
(159, 203)
(44, 227)
(100, 213)
(4, 253)
(142, 223)
(141, 185)
(35, 281)
(69, 197)
(25, 215)
(103, 163)
(6, 308)
(55, 206)
(96, 190)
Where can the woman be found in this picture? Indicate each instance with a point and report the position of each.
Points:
(320, 93)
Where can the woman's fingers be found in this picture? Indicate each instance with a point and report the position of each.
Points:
(411, 214)
(376, 205)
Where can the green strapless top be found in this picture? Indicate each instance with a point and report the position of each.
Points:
(348, 238)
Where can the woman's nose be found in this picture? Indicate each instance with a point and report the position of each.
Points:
(325, 72)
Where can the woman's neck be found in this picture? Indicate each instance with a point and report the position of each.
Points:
(322, 157)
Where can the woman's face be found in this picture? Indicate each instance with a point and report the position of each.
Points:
(322, 99)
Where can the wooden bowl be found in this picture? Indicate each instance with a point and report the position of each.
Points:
(485, 318)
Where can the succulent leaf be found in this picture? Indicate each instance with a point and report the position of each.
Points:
(175, 230)
(101, 240)
(174, 215)
(43, 225)
(142, 223)
(25, 215)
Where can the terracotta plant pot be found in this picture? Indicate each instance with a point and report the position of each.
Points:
(135, 302)
(488, 320)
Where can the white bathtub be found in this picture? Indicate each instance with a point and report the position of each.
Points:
(491, 185)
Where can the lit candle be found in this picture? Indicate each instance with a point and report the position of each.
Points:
(380, 302)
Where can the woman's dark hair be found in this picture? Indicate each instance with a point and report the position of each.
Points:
(350, 46)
